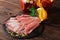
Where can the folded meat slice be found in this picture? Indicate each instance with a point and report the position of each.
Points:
(19, 18)
(23, 24)
(30, 27)
(12, 24)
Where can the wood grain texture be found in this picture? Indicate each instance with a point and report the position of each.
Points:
(10, 8)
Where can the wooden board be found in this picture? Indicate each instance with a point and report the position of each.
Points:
(11, 8)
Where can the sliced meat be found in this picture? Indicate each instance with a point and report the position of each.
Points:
(12, 24)
(30, 27)
(23, 24)
(23, 17)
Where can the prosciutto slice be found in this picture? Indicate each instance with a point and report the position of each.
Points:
(23, 24)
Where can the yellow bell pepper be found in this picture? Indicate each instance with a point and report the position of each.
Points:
(41, 13)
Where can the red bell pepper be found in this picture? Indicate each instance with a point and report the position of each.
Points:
(22, 5)
(47, 3)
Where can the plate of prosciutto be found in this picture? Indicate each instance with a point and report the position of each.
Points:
(23, 27)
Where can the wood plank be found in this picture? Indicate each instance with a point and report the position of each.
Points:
(12, 6)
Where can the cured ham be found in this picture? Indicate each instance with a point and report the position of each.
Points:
(23, 24)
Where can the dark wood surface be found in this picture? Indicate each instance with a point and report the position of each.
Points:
(10, 8)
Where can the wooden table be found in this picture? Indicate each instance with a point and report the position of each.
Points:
(50, 33)
(10, 8)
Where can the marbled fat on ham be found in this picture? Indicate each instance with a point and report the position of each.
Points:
(23, 24)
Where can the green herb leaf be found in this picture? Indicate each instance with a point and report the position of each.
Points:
(32, 11)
